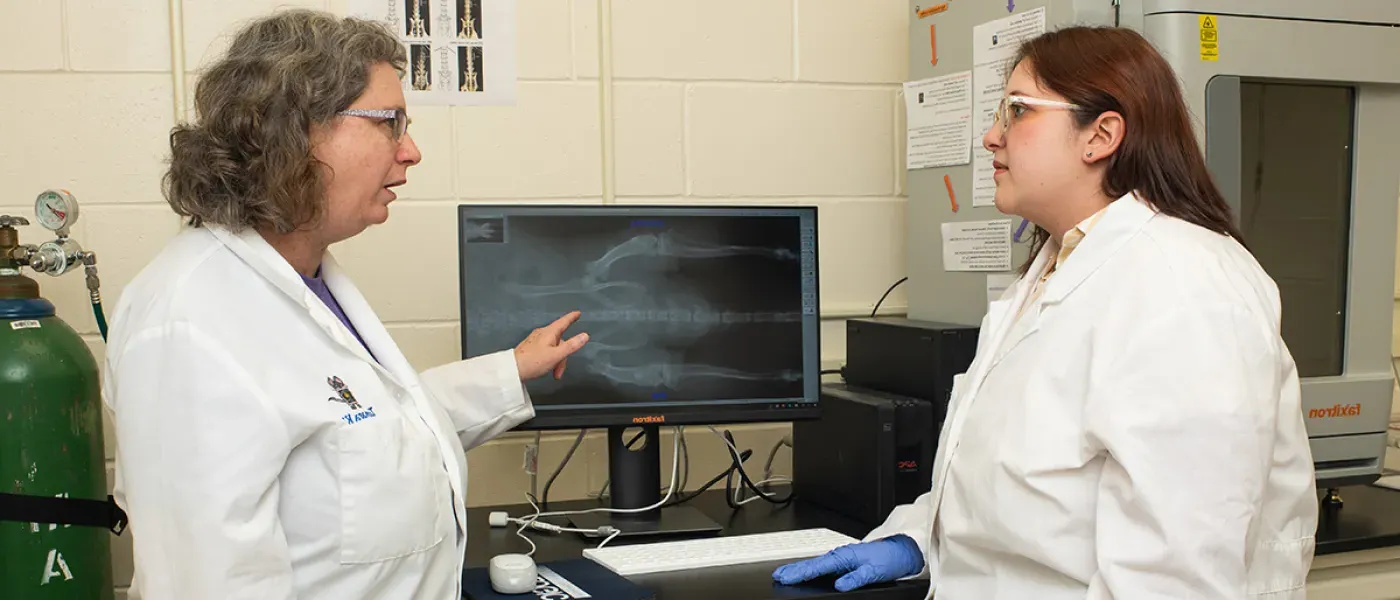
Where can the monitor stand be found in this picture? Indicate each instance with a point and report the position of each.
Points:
(636, 483)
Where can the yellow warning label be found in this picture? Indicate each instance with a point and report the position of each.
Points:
(1210, 38)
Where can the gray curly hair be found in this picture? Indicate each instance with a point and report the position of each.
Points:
(246, 162)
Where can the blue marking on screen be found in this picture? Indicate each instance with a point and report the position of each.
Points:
(658, 395)
(646, 222)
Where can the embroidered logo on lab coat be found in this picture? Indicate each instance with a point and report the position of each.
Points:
(344, 396)
(342, 393)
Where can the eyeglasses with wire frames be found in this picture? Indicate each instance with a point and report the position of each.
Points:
(394, 116)
(1014, 106)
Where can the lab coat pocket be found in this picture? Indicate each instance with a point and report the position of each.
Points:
(391, 494)
(1279, 570)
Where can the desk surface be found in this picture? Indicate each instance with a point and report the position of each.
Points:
(1369, 518)
(745, 581)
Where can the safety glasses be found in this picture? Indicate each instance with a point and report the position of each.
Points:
(397, 117)
(1014, 106)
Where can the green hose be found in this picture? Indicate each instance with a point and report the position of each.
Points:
(101, 320)
(93, 285)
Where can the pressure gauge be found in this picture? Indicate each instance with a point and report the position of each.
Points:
(57, 210)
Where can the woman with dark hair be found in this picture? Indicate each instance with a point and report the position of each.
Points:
(1131, 425)
(272, 440)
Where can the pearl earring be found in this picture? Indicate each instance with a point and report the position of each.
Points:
(1090, 155)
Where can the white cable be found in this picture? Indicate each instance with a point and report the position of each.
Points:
(500, 519)
(521, 532)
(610, 538)
(532, 523)
(685, 470)
(756, 497)
(675, 467)
(739, 488)
(611, 532)
(773, 454)
(685, 458)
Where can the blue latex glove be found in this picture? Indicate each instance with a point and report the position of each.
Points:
(859, 565)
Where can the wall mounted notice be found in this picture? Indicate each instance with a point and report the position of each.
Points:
(994, 46)
(977, 245)
(460, 52)
(938, 112)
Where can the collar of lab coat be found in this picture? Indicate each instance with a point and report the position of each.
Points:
(366, 321)
(1119, 223)
(254, 251)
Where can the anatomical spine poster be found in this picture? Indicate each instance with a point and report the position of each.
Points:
(460, 52)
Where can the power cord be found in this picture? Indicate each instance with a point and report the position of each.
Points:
(685, 465)
(502, 519)
(532, 466)
(673, 496)
(772, 454)
(532, 521)
(731, 495)
(875, 310)
(544, 494)
(683, 498)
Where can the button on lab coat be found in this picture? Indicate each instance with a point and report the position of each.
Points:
(1137, 434)
(263, 453)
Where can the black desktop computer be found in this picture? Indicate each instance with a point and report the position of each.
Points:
(869, 452)
(873, 447)
(695, 316)
(908, 357)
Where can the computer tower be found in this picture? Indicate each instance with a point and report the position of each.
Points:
(869, 452)
(908, 357)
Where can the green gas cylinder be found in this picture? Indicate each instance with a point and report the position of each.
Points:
(51, 447)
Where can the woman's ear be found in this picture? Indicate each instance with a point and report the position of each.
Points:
(1105, 134)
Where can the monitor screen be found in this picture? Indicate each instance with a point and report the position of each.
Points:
(694, 314)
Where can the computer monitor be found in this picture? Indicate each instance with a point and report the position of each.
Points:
(695, 316)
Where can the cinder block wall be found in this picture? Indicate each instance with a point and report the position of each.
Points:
(723, 101)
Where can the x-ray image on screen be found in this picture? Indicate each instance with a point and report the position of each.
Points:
(677, 307)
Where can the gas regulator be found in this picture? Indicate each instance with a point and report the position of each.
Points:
(57, 211)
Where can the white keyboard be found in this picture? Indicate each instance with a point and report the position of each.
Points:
(660, 557)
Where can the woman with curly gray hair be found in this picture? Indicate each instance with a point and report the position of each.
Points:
(272, 440)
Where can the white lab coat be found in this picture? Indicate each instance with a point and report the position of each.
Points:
(245, 472)
(1136, 435)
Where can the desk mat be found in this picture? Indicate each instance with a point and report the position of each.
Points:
(560, 580)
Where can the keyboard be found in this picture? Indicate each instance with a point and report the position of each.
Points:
(662, 557)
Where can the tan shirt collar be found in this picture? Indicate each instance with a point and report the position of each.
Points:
(1072, 238)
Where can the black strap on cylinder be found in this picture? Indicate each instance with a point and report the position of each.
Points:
(63, 511)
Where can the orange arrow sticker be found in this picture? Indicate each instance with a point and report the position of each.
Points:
(932, 10)
(952, 200)
(932, 46)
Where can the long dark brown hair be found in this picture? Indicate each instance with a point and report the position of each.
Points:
(1105, 69)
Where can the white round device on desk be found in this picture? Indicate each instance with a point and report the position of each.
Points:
(513, 574)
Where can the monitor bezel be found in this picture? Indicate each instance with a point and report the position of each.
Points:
(576, 417)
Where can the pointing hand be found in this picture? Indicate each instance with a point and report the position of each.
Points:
(546, 350)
